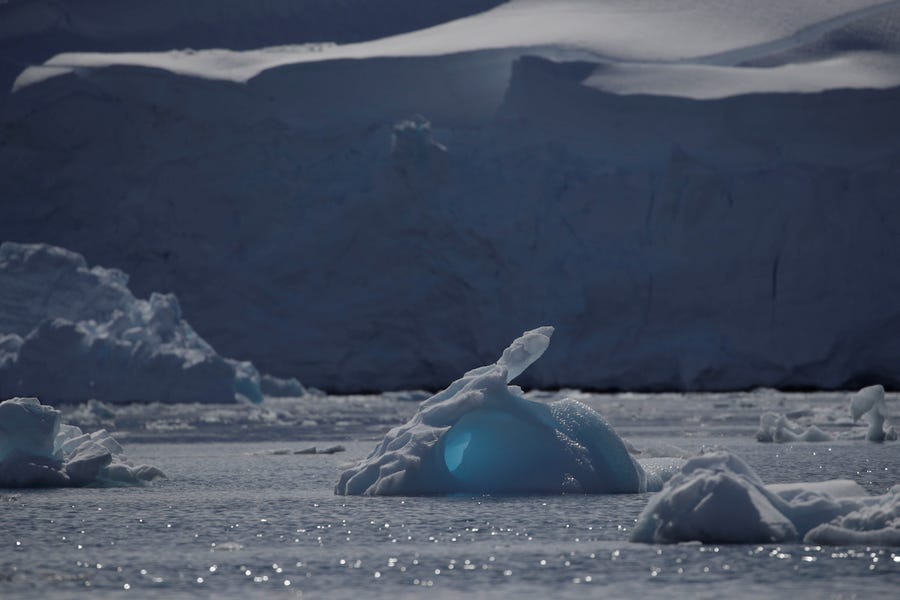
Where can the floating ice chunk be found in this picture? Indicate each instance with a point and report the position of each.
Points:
(37, 451)
(873, 524)
(778, 428)
(718, 498)
(869, 401)
(482, 436)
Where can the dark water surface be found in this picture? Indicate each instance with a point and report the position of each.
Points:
(231, 523)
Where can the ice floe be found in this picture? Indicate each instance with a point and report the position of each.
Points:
(481, 435)
(309, 450)
(869, 402)
(718, 498)
(36, 450)
(71, 333)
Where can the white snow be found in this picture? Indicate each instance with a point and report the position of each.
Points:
(645, 30)
(718, 498)
(482, 436)
(37, 451)
(70, 333)
(702, 81)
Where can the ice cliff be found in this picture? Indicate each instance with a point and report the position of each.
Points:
(69, 333)
(718, 498)
(37, 451)
(481, 435)
(622, 170)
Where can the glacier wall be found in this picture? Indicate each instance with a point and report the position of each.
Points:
(308, 221)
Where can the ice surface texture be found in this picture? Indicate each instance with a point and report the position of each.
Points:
(37, 451)
(718, 498)
(69, 333)
(481, 435)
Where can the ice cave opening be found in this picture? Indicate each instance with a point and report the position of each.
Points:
(495, 451)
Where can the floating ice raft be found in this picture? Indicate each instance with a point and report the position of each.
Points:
(718, 498)
(36, 450)
(481, 435)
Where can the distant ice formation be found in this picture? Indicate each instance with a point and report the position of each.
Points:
(70, 333)
(37, 451)
(481, 435)
(774, 427)
(718, 498)
(869, 401)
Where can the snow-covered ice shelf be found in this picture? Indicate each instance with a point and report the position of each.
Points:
(701, 197)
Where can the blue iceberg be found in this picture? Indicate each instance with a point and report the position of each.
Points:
(482, 436)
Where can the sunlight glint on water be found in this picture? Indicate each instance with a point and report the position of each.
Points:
(230, 523)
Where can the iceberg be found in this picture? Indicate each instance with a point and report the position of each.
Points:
(36, 450)
(718, 498)
(482, 436)
(70, 333)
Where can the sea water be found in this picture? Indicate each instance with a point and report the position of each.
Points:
(237, 520)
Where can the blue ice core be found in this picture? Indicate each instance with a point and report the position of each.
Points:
(493, 451)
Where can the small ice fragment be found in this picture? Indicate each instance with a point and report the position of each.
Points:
(870, 401)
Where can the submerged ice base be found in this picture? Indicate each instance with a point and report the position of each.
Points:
(481, 435)
(36, 450)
